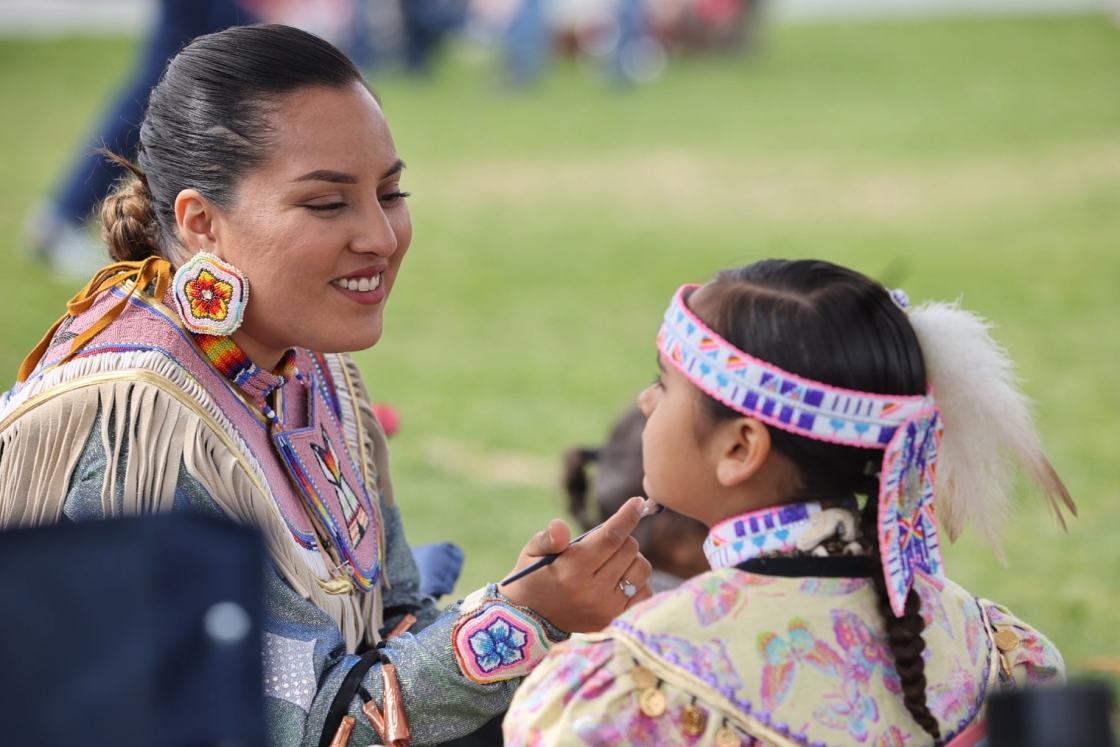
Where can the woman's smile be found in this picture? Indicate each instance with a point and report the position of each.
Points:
(363, 286)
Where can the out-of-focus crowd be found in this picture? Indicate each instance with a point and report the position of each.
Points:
(628, 41)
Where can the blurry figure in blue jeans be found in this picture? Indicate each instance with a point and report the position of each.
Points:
(57, 231)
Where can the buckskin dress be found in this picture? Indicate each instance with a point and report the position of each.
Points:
(149, 418)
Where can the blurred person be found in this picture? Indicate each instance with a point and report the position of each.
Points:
(208, 371)
(57, 230)
(672, 543)
(789, 390)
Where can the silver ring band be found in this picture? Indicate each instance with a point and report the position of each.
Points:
(627, 588)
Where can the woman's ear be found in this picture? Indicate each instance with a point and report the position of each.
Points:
(743, 449)
(195, 217)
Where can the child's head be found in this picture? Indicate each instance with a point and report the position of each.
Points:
(814, 319)
(797, 381)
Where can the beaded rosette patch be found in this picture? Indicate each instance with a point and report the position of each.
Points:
(497, 641)
(210, 295)
(908, 428)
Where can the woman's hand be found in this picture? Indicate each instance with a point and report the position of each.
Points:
(582, 591)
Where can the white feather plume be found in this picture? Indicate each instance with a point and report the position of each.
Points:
(989, 426)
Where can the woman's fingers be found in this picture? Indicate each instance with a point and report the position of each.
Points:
(552, 540)
(638, 574)
(604, 542)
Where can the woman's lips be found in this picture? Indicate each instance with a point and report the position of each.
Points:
(364, 289)
(361, 284)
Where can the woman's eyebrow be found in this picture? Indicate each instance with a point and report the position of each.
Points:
(396, 168)
(326, 175)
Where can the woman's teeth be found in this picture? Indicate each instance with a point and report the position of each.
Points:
(358, 284)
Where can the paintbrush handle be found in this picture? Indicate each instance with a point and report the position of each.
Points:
(652, 509)
(546, 560)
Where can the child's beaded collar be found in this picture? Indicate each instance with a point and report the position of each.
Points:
(793, 529)
(907, 428)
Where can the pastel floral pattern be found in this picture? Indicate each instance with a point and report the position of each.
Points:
(629, 726)
(500, 644)
(785, 656)
(583, 662)
(953, 701)
(865, 651)
(892, 737)
(1040, 661)
(852, 710)
(209, 297)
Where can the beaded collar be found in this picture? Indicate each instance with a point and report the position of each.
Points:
(231, 361)
(778, 530)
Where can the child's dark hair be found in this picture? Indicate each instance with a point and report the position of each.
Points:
(838, 327)
(208, 124)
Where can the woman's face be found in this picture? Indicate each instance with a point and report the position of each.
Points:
(320, 228)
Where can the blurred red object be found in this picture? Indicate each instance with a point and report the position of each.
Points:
(389, 418)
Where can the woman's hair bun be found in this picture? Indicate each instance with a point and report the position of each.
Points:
(128, 217)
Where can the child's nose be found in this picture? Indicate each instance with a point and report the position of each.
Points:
(645, 400)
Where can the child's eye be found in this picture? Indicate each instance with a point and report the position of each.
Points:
(658, 382)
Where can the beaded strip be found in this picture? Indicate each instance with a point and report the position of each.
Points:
(230, 361)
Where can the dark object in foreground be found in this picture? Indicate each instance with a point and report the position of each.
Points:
(132, 633)
(1073, 716)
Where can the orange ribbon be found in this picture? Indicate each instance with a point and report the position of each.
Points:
(142, 274)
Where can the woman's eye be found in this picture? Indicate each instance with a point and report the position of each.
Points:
(393, 198)
(326, 208)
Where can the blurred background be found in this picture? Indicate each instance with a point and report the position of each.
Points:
(573, 161)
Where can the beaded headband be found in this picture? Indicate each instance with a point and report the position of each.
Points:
(907, 427)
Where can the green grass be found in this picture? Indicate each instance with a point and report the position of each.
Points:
(971, 158)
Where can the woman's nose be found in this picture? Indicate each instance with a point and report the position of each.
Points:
(376, 234)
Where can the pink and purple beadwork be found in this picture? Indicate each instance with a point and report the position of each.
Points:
(498, 642)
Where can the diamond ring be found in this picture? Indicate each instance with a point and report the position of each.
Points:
(627, 588)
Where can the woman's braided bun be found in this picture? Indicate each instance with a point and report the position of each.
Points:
(129, 226)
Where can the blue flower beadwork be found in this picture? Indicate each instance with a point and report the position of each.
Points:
(498, 645)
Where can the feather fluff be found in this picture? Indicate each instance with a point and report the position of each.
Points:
(989, 425)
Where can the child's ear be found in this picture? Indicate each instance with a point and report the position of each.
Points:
(743, 451)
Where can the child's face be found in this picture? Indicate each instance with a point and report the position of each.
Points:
(679, 471)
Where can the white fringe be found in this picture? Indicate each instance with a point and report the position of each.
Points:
(989, 427)
(159, 363)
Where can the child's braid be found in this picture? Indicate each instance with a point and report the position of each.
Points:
(904, 634)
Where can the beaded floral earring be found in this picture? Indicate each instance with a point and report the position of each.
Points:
(211, 295)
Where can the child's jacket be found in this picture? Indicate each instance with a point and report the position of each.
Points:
(735, 658)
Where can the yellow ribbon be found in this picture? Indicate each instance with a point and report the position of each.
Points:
(142, 274)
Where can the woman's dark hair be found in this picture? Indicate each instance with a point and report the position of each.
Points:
(838, 327)
(208, 124)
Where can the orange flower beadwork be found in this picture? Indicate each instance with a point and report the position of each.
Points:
(210, 295)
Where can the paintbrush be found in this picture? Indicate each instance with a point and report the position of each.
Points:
(651, 509)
